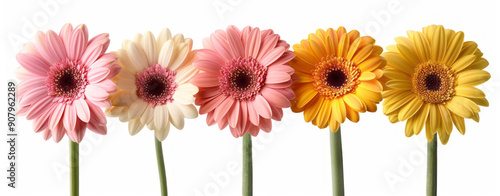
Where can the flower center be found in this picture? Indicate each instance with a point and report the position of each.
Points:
(156, 85)
(434, 82)
(67, 81)
(334, 77)
(242, 78)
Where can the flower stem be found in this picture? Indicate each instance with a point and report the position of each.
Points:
(74, 167)
(337, 164)
(247, 165)
(161, 167)
(432, 167)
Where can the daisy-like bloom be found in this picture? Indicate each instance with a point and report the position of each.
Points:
(153, 86)
(338, 77)
(244, 79)
(431, 81)
(65, 80)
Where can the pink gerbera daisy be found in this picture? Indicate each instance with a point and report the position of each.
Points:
(244, 79)
(65, 79)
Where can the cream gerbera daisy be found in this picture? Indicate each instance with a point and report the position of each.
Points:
(153, 86)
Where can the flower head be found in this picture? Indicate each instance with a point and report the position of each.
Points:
(244, 79)
(153, 86)
(65, 79)
(431, 78)
(338, 77)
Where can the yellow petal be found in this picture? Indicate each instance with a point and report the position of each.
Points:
(469, 91)
(354, 102)
(338, 110)
(312, 110)
(446, 122)
(459, 123)
(409, 128)
(399, 84)
(397, 61)
(454, 48)
(438, 44)
(324, 114)
(422, 46)
(367, 76)
(343, 46)
(352, 115)
(459, 106)
(409, 109)
(420, 118)
(473, 77)
(373, 85)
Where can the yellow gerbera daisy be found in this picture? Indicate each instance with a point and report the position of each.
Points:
(338, 74)
(431, 78)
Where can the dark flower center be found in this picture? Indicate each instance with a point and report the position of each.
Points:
(335, 78)
(241, 79)
(432, 82)
(156, 85)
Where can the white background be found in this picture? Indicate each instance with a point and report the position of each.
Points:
(294, 158)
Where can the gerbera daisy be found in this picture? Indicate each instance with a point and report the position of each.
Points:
(338, 77)
(65, 79)
(244, 82)
(431, 78)
(244, 79)
(153, 86)
(338, 73)
(431, 81)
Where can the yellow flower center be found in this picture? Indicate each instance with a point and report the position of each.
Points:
(334, 76)
(434, 82)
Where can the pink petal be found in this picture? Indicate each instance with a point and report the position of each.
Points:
(28, 84)
(96, 93)
(284, 59)
(55, 46)
(205, 80)
(276, 68)
(277, 113)
(58, 132)
(39, 107)
(262, 107)
(209, 55)
(253, 42)
(84, 29)
(234, 132)
(235, 43)
(65, 35)
(253, 130)
(114, 70)
(23, 74)
(234, 114)
(82, 110)
(102, 103)
(101, 130)
(56, 116)
(108, 85)
(280, 85)
(268, 43)
(69, 118)
(208, 66)
(252, 113)
(282, 43)
(207, 44)
(265, 124)
(33, 64)
(275, 98)
(221, 46)
(211, 105)
(42, 48)
(105, 60)
(287, 92)
(222, 109)
(245, 32)
(42, 122)
(91, 54)
(272, 56)
(33, 96)
(46, 134)
(78, 133)
(96, 114)
(103, 39)
(97, 74)
(277, 77)
(210, 119)
(223, 122)
(77, 45)
(243, 115)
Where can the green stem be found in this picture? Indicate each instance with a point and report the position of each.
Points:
(161, 167)
(432, 167)
(247, 165)
(74, 167)
(337, 164)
